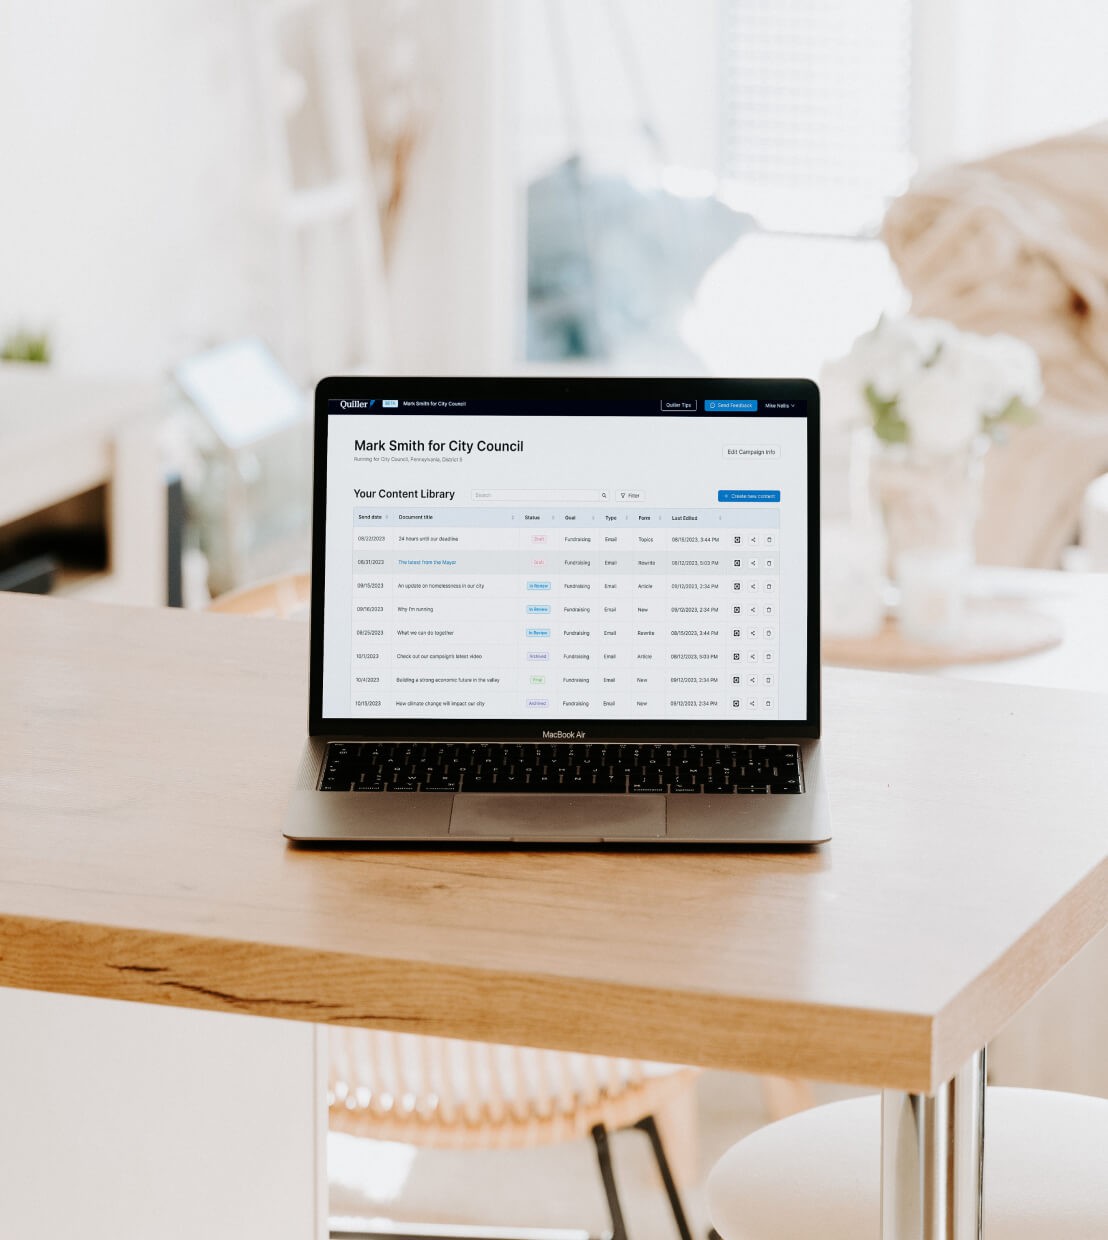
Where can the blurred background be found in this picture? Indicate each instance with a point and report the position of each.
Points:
(208, 205)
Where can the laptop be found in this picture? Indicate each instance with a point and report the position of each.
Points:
(564, 611)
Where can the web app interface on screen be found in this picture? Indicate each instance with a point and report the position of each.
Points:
(487, 560)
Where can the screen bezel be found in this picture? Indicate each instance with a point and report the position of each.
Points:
(592, 730)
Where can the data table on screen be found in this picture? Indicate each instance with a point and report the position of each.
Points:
(515, 612)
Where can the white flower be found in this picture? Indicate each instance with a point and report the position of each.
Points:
(944, 382)
(886, 358)
(842, 396)
(942, 415)
(1019, 364)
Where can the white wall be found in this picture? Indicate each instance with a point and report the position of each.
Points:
(128, 215)
(134, 218)
(125, 1121)
(991, 74)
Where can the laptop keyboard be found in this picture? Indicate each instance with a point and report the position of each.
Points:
(399, 766)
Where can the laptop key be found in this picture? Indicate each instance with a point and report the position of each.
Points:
(646, 779)
(610, 783)
(545, 782)
(476, 782)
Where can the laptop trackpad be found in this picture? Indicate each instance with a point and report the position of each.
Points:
(561, 818)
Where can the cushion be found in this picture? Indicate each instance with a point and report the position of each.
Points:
(818, 1174)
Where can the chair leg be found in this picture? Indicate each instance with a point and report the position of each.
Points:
(678, 1120)
(599, 1135)
(648, 1125)
(783, 1096)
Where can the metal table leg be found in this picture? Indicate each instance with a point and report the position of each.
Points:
(932, 1159)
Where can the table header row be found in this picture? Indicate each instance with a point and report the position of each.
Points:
(747, 516)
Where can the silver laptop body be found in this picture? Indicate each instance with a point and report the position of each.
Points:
(548, 563)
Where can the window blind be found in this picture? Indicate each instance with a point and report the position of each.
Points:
(816, 97)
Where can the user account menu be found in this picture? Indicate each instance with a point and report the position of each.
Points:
(490, 561)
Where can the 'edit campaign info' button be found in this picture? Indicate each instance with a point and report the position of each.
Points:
(749, 497)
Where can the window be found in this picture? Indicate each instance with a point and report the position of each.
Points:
(816, 110)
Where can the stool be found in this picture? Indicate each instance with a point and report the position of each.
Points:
(818, 1174)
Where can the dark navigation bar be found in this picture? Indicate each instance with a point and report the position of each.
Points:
(390, 403)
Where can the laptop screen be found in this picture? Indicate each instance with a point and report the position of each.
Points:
(564, 562)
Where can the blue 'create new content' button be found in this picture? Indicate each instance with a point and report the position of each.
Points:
(730, 406)
(749, 497)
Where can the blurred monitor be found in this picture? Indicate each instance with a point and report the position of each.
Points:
(249, 504)
(241, 391)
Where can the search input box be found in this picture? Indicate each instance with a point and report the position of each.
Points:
(541, 496)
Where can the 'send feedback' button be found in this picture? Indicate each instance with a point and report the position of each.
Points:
(730, 406)
(749, 497)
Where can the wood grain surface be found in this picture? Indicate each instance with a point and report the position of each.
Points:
(145, 759)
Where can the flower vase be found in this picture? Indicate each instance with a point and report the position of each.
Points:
(929, 503)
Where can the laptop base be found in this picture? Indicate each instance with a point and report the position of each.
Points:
(529, 819)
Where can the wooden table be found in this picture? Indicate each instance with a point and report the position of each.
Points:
(147, 756)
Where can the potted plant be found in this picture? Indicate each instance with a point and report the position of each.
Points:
(926, 401)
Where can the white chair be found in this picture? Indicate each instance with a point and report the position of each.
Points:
(817, 1174)
(447, 1094)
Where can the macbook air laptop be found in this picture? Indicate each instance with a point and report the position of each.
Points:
(550, 611)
